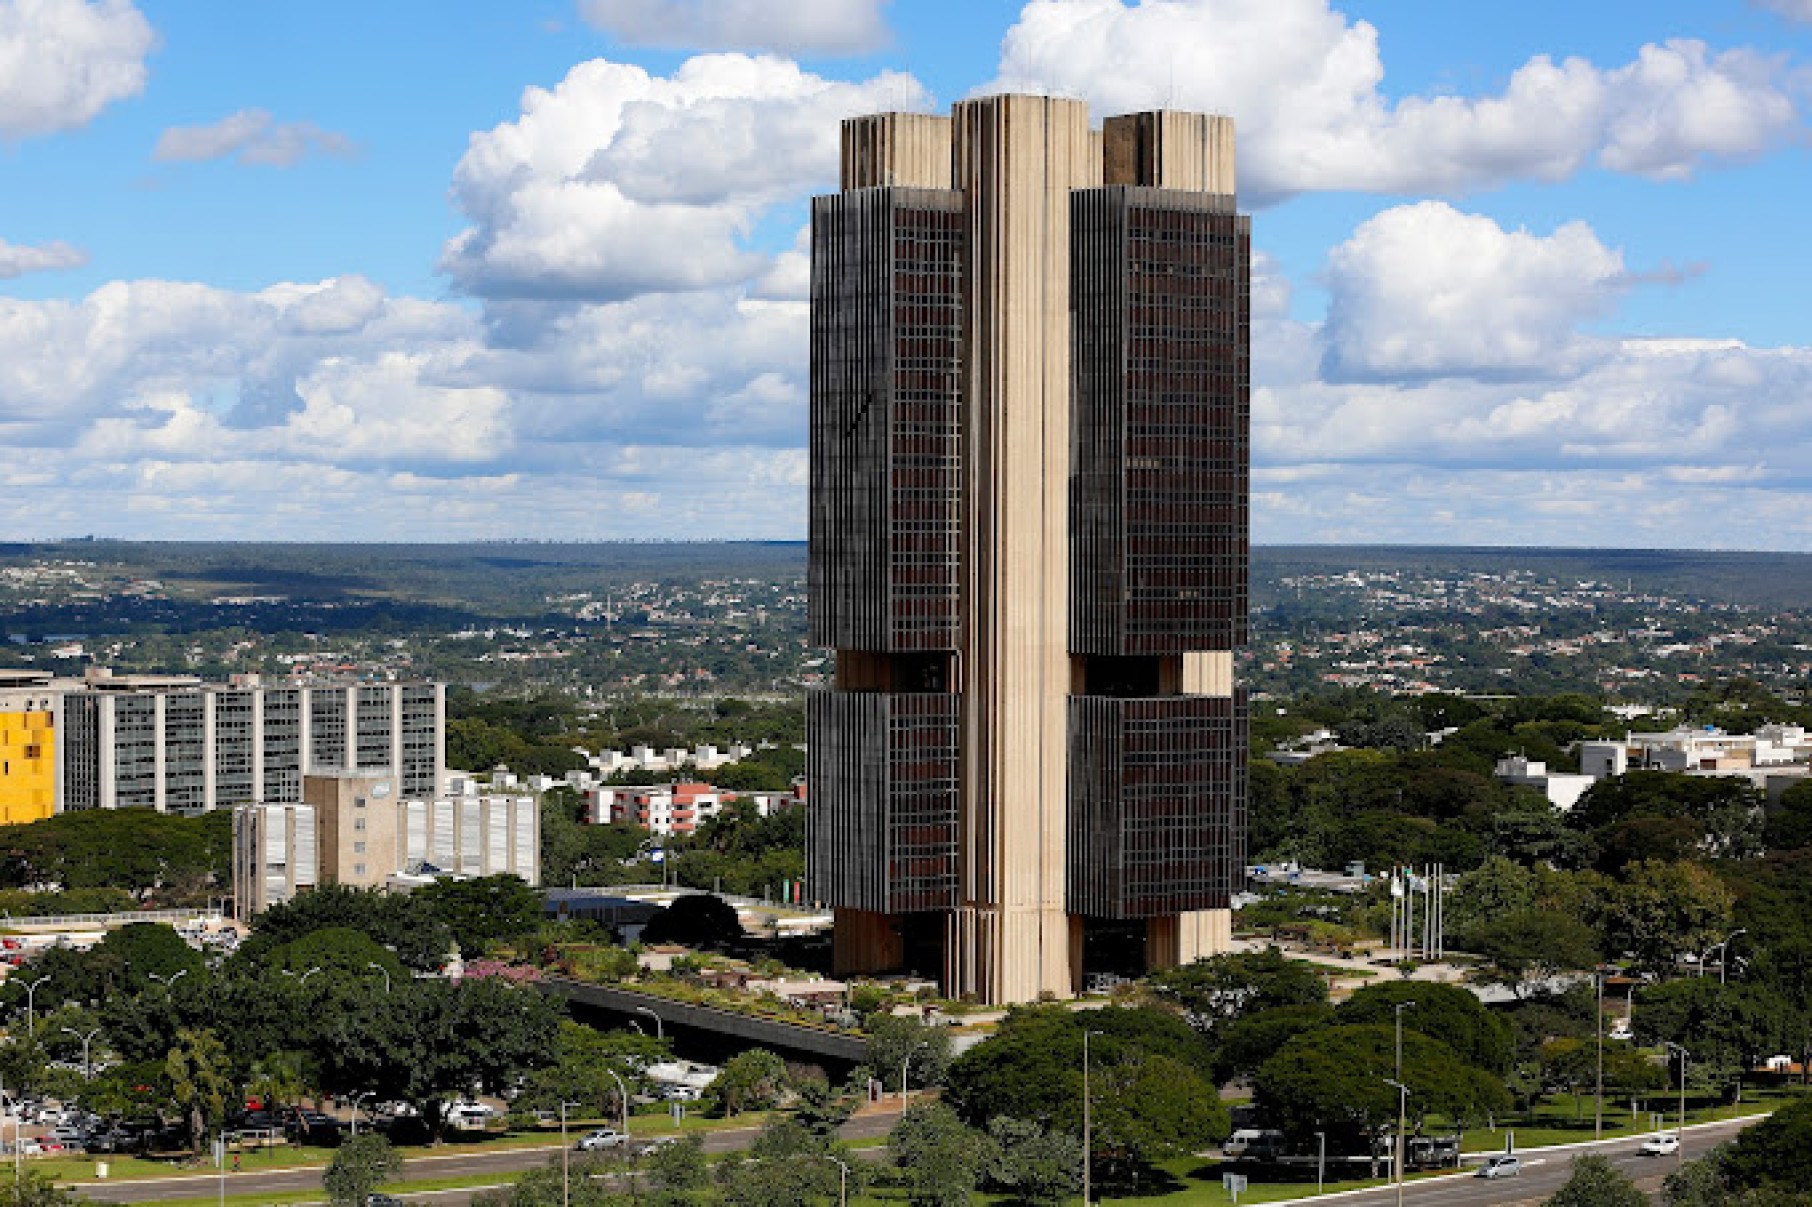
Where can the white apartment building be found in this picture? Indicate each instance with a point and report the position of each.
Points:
(174, 743)
(359, 829)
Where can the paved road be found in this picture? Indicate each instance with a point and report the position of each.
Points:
(504, 1164)
(1543, 1174)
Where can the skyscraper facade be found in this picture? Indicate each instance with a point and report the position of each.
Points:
(1029, 448)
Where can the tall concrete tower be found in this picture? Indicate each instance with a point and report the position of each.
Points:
(1029, 449)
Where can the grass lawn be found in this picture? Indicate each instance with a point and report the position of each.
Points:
(1567, 1119)
(121, 1168)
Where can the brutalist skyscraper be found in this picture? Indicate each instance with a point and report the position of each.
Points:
(1029, 447)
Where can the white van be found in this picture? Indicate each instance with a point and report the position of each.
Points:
(1255, 1143)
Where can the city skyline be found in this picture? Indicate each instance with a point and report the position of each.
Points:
(1520, 277)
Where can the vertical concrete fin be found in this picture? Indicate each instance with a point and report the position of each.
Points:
(911, 150)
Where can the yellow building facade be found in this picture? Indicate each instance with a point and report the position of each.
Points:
(28, 766)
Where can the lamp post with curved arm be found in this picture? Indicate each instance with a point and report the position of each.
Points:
(1402, 1116)
(303, 978)
(660, 1031)
(88, 1039)
(167, 981)
(356, 1099)
(31, 1004)
(384, 970)
(623, 1097)
(1680, 1152)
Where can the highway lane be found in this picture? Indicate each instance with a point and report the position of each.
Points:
(1543, 1173)
(501, 1164)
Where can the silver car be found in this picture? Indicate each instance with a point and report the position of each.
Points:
(1501, 1166)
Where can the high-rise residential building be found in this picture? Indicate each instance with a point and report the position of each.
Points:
(176, 744)
(1029, 458)
(361, 829)
(28, 736)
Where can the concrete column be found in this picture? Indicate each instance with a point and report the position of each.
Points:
(258, 744)
(158, 768)
(107, 779)
(305, 755)
(351, 762)
(209, 754)
(396, 733)
(1016, 159)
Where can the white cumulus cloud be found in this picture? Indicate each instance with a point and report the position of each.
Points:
(1303, 82)
(17, 259)
(250, 136)
(63, 61)
(803, 27)
(617, 182)
(1427, 291)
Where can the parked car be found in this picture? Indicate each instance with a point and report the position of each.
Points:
(652, 1145)
(383, 1200)
(1662, 1144)
(601, 1139)
(1503, 1165)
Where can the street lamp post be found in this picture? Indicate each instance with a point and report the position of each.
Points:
(31, 1004)
(1598, 1030)
(87, 1068)
(623, 1097)
(303, 979)
(1402, 1115)
(1402, 1104)
(905, 1066)
(356, 1099)
(1724, 952)
(660, 1031)
(1680, 1152)
(384, 970)
(167, 981)
(566, 1195)
(842, 1180)
(1321, 1161)
(1088, 1198)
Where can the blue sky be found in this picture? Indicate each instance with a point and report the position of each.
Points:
(1530, 274)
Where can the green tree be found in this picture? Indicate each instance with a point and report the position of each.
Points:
(1531, 946)
(751, 1080)
(1033, 1165)
(482, 910)
(147, 950)
(360, 1165)
(1151, 1097)
(678, 1170)
(1219, 989)
(1245, 1043)
(1595, 1182)
(201, 1083)
(899, 1044)
(33, 1189)
(1448, 1013)
(1659, 912)
(1725, 1026)
(1334, 1079)
(941, 1157)
(787, 1166)
(426, 1041)
(1788, 825)
(584, 1061)
(695, 920)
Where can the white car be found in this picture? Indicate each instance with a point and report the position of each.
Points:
(600, 1140)
(1662, 1144)
(1503, 1165)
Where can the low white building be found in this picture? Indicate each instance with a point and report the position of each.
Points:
(357, 829)
(1563, 789)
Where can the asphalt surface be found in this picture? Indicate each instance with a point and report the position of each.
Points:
(1544, 1172)
(503, 1164)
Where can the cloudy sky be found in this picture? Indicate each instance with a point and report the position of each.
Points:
(1530, 273)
